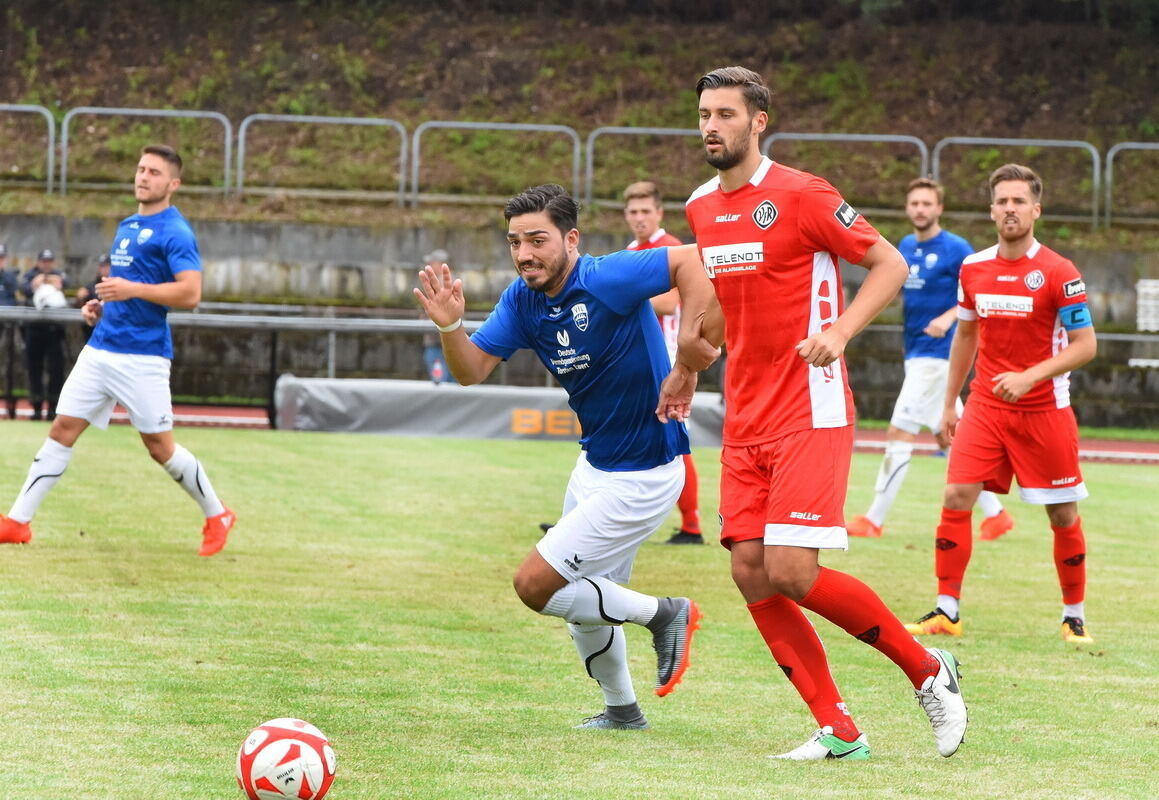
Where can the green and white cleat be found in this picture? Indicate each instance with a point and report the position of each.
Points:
(823, 744)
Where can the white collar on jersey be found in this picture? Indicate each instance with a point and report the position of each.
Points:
(657, 236)
(762, 170)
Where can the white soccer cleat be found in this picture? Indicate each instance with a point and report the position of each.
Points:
(941, 698)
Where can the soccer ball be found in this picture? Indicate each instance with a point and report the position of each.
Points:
(285, 757)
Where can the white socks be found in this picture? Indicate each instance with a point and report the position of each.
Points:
(47, 467)
(599, 601)
(889, 479)
(949, 605)
(184, 468)
(1073, 610)
(605, 655)
(990, 504)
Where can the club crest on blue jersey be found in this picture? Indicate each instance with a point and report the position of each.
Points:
(579, 315)
(144, 235)
(931, 260)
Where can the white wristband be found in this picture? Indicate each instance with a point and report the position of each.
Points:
(454, 326)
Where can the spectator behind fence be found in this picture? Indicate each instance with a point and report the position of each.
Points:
(89, 290)
(8, 297)
(433, 358)
(43, 286)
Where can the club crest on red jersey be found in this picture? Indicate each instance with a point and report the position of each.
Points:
(1035, 280)
(765, 215)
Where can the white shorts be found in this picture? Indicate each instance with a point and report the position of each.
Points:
(607, 516)
(100, 379)
(922, 396)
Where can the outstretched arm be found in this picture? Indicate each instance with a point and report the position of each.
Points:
(441, 296)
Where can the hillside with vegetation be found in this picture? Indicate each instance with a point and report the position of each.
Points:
(1088, 73)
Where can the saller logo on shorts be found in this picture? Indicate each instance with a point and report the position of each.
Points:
(804, 515)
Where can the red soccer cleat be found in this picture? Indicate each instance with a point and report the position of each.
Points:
(863, 526)
(995, 526)
(13, 532)
(215, 532)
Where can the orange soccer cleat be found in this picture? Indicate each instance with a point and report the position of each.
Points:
(215, 532)
(13, 532)
(995, 526)
(934, 623)
(863, 526)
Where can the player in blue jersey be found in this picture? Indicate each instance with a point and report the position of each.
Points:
(155, 265)
(590, 321)
(930, 307)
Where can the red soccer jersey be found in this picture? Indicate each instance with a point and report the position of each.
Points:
(1016, 304)
(669, 323)
(661, 238)
(771, 249)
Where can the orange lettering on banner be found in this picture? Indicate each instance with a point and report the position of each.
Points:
(533, 422)
(561, 423)
(526, 421)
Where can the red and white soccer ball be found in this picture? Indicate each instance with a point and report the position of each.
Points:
(285, 757)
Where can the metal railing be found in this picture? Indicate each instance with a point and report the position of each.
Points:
(50, 151)
(590, 148)
(315, 120)
(1068, 143)
(143, 112)
(583, 156)
(1108, 178)
(416, 150)
(923, 151)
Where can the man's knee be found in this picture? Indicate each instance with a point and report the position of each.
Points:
(961, 496)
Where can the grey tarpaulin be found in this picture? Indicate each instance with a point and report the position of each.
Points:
(418, 408)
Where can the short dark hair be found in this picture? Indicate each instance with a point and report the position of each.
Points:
(927, 183)
(560, 206)
(642, 189)
(166, 152)
(1017, 172)
(756, 94)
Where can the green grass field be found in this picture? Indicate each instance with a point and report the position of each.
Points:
(367, 590)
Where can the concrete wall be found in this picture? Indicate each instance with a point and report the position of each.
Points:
(378, 265)
(309, 262)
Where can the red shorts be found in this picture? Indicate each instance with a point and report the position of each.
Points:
(1040, 448)
(790, 491)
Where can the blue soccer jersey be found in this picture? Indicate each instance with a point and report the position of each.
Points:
(147, 249)
(930, 289)
(600, 338)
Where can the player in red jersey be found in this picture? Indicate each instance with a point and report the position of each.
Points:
(770, 237)
(644, 211)
(1022, 310)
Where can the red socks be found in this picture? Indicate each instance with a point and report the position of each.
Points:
(1070, 559)
(954, 542)
(798, 651)
(854, 607)
(689, 500)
